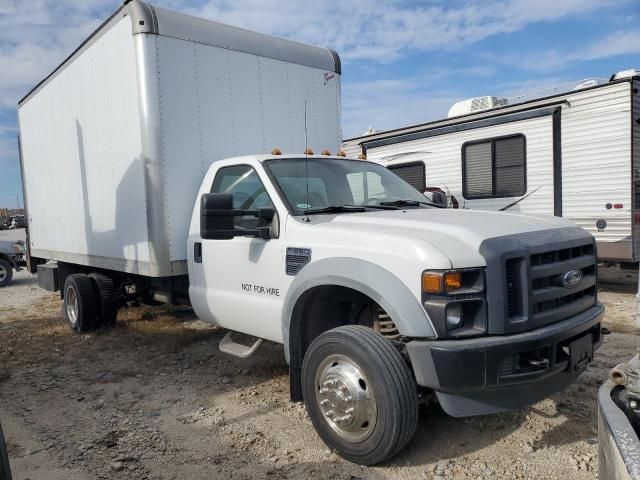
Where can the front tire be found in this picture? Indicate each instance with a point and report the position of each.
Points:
(360, 394)
(79, 304)
(6, 273)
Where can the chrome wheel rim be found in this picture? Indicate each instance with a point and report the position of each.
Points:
(71, 304)
(3, 273)
(345, 398)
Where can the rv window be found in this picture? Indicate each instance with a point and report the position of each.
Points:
(413, 173)
(494, 168)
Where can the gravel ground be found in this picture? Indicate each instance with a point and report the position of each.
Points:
(154, 398)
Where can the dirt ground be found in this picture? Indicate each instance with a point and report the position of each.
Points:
(154, 398)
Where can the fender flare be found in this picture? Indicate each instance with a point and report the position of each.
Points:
(9, 259)
(379, 284)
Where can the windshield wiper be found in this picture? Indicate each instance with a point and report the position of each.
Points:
(411, 203)
(335, 209)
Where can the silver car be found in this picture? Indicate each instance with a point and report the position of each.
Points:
(12, 257)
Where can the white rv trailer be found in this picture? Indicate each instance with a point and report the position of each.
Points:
(574, 154)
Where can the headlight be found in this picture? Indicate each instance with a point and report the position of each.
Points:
(455, 301)
(18, 247)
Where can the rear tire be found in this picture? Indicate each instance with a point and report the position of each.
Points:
(80, 302)
(107, 309)
(360, 394)
(6, 272)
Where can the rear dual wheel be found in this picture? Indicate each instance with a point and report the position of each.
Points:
(89, 301)
(360, 394)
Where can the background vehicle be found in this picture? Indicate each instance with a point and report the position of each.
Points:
(12, 257)
(5, 469)
(488, 311)
(572, 152)
(17, 221)
(619, 422)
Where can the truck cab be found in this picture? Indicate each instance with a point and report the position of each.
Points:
(379, 295)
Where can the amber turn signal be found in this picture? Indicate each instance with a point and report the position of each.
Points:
(431, 282)
(452, 280)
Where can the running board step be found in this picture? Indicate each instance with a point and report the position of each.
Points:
(227, 345)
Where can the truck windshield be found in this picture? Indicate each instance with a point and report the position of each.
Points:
(340, 183)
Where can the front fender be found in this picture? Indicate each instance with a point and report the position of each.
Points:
(379, 284)
(10, 259)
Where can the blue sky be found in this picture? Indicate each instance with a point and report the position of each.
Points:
(404, 62)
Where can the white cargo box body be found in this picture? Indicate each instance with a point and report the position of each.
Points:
(116, 141)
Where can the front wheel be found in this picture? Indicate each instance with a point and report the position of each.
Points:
(6, 273)
(360, 394)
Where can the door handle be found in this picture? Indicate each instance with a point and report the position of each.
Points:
(197, 252)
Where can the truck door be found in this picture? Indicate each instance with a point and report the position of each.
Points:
(241, 279)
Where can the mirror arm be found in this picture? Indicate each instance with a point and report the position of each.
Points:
(265, 213)
(260, 232)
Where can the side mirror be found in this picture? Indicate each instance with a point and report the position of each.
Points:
(216, 222)
(217, 214)
(439, 198)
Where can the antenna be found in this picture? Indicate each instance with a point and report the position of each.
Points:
(306, 164)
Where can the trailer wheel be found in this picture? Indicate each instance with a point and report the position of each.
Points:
(79, 304)
(107, 309)
(360, 394)
(6, 273)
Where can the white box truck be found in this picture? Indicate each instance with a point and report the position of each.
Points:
(379, 298)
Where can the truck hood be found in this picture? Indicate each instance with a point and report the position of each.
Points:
(455, 233)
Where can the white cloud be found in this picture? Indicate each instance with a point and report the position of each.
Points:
(41, 33)
(370, 30)
(37, 36)
(615, 44)
(8, 149)
(619, 43)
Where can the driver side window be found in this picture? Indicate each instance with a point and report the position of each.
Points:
(247, 190)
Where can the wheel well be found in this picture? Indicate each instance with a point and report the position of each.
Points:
(8, 259)
(320, 309)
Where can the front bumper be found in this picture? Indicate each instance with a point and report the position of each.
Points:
(500, 373)
(19, 261)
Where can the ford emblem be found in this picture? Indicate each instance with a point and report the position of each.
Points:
(571, 278)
